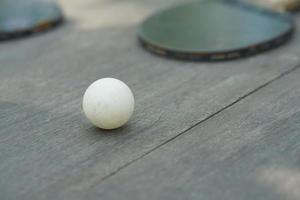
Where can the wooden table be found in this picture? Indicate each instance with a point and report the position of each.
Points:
(203, 131)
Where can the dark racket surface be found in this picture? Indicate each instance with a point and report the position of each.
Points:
(19, 18)
(212, 30)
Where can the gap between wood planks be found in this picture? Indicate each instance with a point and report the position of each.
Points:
(198, 123)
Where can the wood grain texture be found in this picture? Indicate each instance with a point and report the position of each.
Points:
(249, 151)
(47, 147)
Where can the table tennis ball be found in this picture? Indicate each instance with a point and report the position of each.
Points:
(108, 103)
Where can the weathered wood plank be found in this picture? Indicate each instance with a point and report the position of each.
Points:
(250, 151)
(47, 146)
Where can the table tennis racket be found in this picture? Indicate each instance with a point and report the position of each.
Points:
(20, 18)
(212, 30)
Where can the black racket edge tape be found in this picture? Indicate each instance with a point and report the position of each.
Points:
(228, 55)
(218, 56)
(43, 27)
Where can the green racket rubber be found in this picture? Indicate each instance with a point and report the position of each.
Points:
(19, 18)
(212, 30)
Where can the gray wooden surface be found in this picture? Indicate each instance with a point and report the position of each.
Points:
(200, 131)
(249, 151)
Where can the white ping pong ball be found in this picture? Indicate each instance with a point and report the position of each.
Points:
(108, 103)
